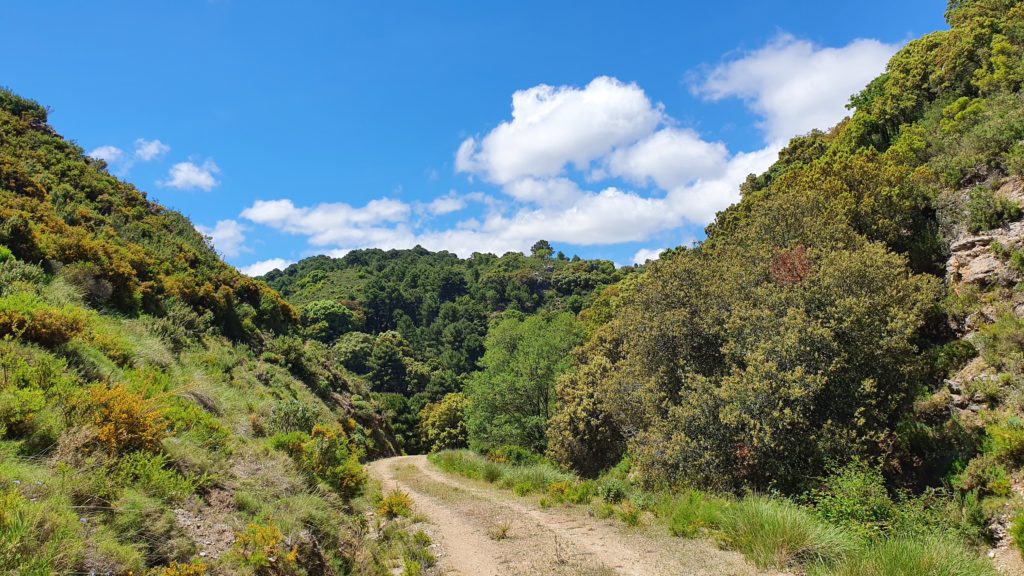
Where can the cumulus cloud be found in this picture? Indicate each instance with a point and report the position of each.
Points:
(670, 157)
(144, 151)
(554, 126)
(644, 254)
(108, 154)
(450, 202)
(190, 176)
(795, 85)
(330, 223)
(545, 191)
(227, 236)
(148, 150)
(263, 266)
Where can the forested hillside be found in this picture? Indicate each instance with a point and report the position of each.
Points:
(159, 411)
(413, 325)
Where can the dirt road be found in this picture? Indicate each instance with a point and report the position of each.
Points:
(483, 531)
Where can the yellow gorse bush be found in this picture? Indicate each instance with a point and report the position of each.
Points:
(124, 420)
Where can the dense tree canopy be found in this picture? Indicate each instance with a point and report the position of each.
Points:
(513, 396)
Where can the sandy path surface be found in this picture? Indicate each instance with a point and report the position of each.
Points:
(465, 517)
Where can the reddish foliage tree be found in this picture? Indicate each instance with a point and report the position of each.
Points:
(790, 266)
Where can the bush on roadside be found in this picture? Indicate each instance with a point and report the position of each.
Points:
(856, 498)
(396, 503)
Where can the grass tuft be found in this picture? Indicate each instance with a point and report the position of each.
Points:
(775, 533)
(933, 556)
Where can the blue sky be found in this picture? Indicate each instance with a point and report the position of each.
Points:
(612, 129)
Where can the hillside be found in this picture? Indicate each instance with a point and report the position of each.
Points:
(159, 412)
(413, 323)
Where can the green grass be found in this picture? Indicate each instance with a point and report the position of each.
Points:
(932, 556)
(770, 532)
(776, 533)
(692, 513)
(523, 480)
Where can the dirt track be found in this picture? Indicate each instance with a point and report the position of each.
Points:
(466, 518)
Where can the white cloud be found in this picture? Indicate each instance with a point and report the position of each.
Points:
(545, 191)
(332, 223)
(450, 202)
(189, 176)
(644, 254)
(228, 237)
(671, 157)
(797, 86)
(109, 154)
(148, 150)
(554, 126)
(263, 266)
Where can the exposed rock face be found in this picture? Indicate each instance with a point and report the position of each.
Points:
(972, 260)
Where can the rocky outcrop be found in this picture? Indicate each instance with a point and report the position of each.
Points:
(972, 260)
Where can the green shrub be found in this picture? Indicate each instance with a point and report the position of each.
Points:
(325, 455)
(292, 415)
(5, 254)
(775, 533)
(911, 557)
(151, 474)
(18, 407)
(1005, 440)
(612, 490)
(444, 422)
(1002, 342)
(581, 492)
(1013, 159)
(856, 499)
(26, 316)
(18, 276)
(693, 513)
(630, 514)
(986, 476)
(954, 355)
(988, 210)
(602, 510)
(1017, 531)
(513, 455)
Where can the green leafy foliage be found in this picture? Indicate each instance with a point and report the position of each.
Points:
(444, 423)
(513, 396)
(325, 455)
